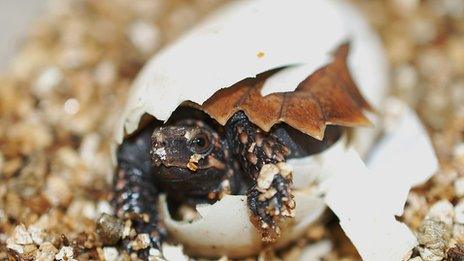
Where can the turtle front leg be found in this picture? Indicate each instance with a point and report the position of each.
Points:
(135, 198)
(263, 157)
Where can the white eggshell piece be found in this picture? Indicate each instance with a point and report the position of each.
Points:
(174, 253)
(405, 153)
(221, 224)
(316, 251)
(225, 229)
(367, 200)
(246, 38)
(308, 171)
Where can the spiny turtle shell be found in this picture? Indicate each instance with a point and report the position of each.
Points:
(328, 96)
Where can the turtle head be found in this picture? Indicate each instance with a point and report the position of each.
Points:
(189, 156)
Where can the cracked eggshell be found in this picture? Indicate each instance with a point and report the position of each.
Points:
(246, 38)
(368, 199)
(241, 40)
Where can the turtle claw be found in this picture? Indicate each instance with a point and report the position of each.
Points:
(271, 207)
(142, 238)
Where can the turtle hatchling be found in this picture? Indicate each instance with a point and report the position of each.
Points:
(220, 118)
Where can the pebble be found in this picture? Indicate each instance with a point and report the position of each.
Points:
(431, 254)
(10, 244)
(142, 241)
(457, 95)
(393, 109)
(416, 202)
(2, 161)
(171, 252)
(442, 211)
(37, 234)
(109, 229)
(72, 57)
(433, 236)
(71, 106)
(459, 187)
(105, 73)
(154, 252)
(406, 77)
(110, 253)
(459, 212)
(454, 8)
(103, 207)
(459, 150)
(456, 252)
(316, 251)
(405, 7)
(82, 209)
(65, 253)
(89, 147)
(57, 191)
(146, 37)
(458, 232)
(30, 251)
(423, 30)
(3, 216)
(180, 20)
(429, 61)
(149, 9)
(21, 236)
(48, 80)
(446, 177)
(47, 252)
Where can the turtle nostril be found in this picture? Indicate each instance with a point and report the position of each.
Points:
(159, 145)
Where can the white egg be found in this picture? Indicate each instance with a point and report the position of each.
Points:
(241, 40)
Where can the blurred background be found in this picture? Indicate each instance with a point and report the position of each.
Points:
(15, 18)
(65, 69)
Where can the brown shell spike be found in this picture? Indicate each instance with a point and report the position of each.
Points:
(328, 96)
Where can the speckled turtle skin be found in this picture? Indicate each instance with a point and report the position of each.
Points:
(193, 159)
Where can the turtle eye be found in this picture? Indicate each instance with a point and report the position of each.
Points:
(201, 143)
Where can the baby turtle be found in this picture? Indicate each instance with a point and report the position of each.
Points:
(237, 142)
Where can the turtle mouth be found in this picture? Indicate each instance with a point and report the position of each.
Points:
(176, 173)
(184, 181)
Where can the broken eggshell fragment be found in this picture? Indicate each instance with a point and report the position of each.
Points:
(244, 39)
(367, 199)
